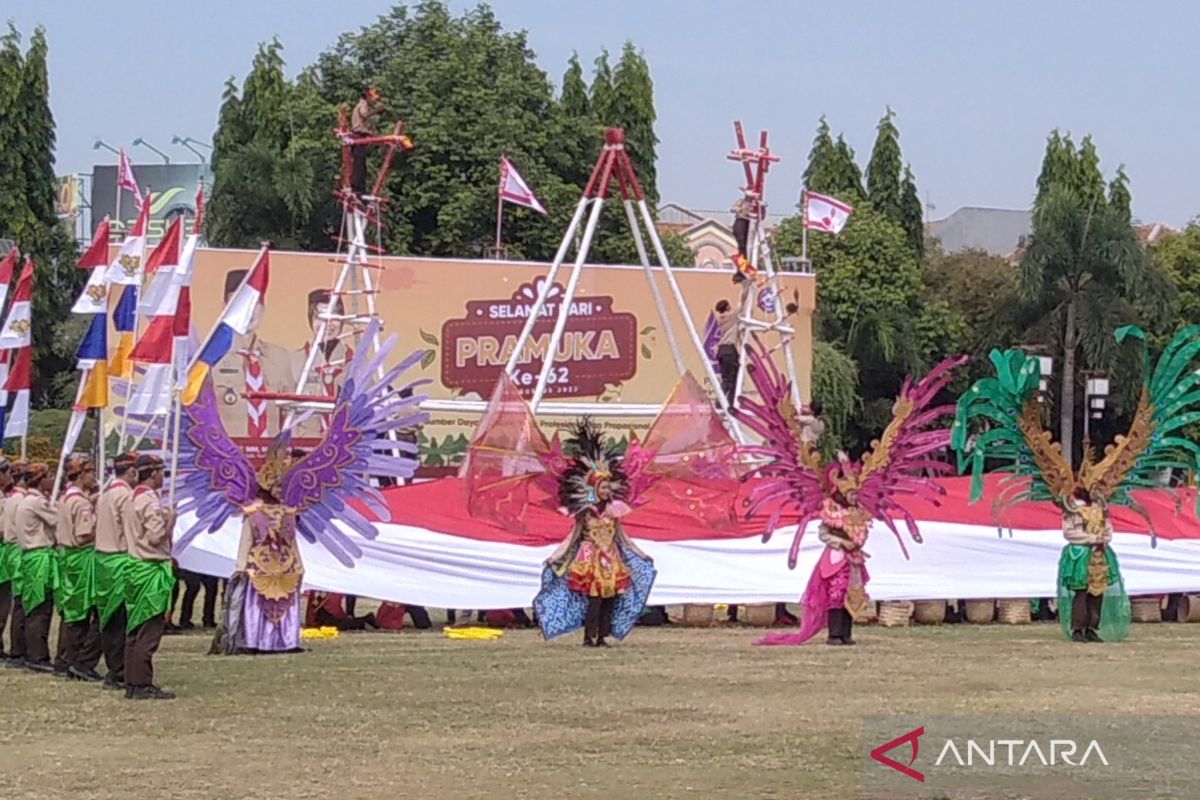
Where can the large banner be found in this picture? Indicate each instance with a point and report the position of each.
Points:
(468, 316)
(173, 188)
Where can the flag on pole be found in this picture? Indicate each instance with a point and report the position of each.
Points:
(235, 319)
(160, 269)
(7, 265)
(156, 346)
(198, 222)
(514, 189)
(126, 268)
(824, 213)
(19, 382)
(124, 318)
(125, 178)
(94, 297)
(18, 324)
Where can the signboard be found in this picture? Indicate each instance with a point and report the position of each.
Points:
(467, 316)
(173, 188)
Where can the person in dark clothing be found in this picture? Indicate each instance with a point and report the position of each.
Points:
(193, 582)
(728, 359)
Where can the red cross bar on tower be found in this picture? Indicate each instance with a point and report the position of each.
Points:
(391, 141)
(614, 163)
(756, 164)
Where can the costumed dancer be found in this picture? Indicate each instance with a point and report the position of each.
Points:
(116, 525)
(845, 496)
(589, 580)
(8, 555)
(36, 519)
(597, 579)
(12, 501)
(149, 580)
(302, 496)
(1089, 576)
(76, 536)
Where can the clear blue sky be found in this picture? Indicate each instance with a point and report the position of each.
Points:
(976, 85)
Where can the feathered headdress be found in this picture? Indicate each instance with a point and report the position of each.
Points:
(593, 462)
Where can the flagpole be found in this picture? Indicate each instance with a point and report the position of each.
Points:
(101, 464)
(499, 220)
(171, 431)
(245, 279)
(804, 234)
(137, 318)
(62, 453)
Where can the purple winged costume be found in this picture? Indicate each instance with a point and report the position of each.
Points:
(310, 496)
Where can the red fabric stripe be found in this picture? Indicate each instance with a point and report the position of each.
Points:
(24, 292)
(97, 252)
(261, 277)
(182, 321)
(7, 265)
(19, 377)
(441, 506)
(167, 251)
(155, 345)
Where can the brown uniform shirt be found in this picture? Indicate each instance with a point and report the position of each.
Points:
(76, 519)
(35, 520)
(363, 117)
(115, 521)
(234, 375)
(152, 542)
(9, 514)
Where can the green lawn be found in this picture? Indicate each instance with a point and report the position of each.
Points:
(671, 713)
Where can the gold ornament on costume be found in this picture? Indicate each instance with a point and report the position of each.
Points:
(274, 571)
(1102, 479)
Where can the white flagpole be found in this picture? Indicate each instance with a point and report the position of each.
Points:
(173, 429)
(804, 233)
(62, 455)
(101, 466)
(499, 219)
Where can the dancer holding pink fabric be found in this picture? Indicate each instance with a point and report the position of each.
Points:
(844, 496)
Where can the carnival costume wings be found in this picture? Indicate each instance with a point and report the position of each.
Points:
(796, 481)
(216, 479)
(1008, 404)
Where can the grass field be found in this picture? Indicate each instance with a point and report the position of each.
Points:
(671, 713)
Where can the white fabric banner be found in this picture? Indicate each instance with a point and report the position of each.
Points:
(414, 565)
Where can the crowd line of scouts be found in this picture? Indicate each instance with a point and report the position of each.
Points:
(102, 558)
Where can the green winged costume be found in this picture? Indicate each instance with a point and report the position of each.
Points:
(1092, 601)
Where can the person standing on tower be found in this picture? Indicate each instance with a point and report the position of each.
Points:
(363, 124)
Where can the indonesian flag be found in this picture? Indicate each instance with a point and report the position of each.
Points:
(19, 382)
(94, 297)
(514, 189)
(7, 265)
(160, 270)
(16, 332)
(126, 268)
(824, 213)
(156, 348)
(235, 319)
(125, 178)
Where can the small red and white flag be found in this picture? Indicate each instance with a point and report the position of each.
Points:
(125, 179)
(126, 268)
(7, 265)
(19, 381)
(17, 331)
(824, 213)
(513, 188)
(160, 270)
(94, 297)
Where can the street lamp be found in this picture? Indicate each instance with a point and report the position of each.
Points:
(100, 143)
(188, 142)
(1095, 399)
(142, 142)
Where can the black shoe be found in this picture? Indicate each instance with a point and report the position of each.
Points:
(1077, 636)
(172, 630)
(159, 694)
(588, 643)
(40, 666)
(16, 662)
(835, 640)
(601, 643)
(87, 675)
(1091, 636)
(147, 693)
(112, 685)
(186, 626)
(849, 642)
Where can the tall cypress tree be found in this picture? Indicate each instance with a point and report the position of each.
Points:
(912, 216)
(1089, 181)
(1119, 197)
(602, 90)
(883, 170)
(847, 177)
(633, 110)
(574, 95)
(818, 175)
(37, 144)
(12, 131)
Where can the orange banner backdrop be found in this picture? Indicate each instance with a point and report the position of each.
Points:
(468, 314)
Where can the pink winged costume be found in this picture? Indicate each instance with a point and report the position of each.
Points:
(304, 496)
(687, 456)
(845, 496)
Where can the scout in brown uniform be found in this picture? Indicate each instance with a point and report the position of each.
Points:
(8, 555)
(36, 520)
(330, 362)
(149, 580)
(76, 535)
(115, 526)
(16, 650)
(250, 365)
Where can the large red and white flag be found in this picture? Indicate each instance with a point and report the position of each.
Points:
(19, 381)
(17, 331)
(824, 213)
(125, 178)
(7, 265)
(514, 189)
(160, 270)
(126, 268)
(94, 297)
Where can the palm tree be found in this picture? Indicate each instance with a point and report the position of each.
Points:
(1082, 267)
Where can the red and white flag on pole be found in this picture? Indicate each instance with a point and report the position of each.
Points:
(824, 213)
(18, 325)
(125, 178)
(514, 189)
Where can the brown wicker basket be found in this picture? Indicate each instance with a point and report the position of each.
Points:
(697, 616)
(929, 612)
(1189, 608)
(760, 615)
(1146, 609)
(980, 612)
(1013, 611)
(895, 613)
(869, 614)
